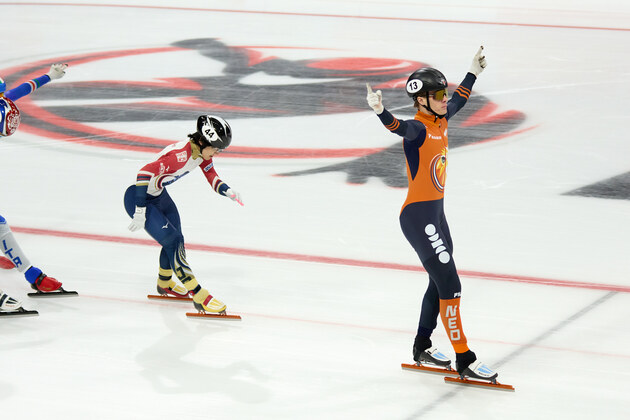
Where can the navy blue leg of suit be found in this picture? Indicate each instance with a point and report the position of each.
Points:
(425, 227)
(163, 224)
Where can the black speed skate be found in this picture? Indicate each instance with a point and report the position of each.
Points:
(425, 352)
(478, 370)
(434, 357)
(429, 359)
(468, 366)
(472, 372)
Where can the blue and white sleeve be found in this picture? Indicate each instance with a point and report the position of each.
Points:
(26, 88)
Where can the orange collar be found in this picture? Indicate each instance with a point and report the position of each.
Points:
(427, 118)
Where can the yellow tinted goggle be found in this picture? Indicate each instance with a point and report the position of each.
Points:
(439, 95)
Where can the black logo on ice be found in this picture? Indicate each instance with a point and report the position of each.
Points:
(340, 89)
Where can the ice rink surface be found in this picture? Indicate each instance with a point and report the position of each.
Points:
(315, 263)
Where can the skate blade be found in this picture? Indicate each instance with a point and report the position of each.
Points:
(479, 383)
(429, 369)
(170, 297)
(222, 316)
(57, 293)
(19, 312)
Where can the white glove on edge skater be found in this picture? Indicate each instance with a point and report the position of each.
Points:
(234, 196)
(478, 63)
(139, 219)
(374, 99)
(57, 71)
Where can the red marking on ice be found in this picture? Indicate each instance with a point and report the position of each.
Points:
(29, 107)
(392, 84)
(323, 15)
(486, 114)
(324, 260)
(178, 83)
(257, 57)
(364, 66)
(196, 103)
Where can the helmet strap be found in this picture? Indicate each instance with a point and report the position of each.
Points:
(428, 108)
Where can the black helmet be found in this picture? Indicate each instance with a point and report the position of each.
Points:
(214, 131)
(425, 80)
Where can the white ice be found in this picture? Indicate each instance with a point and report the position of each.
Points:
(325, 340)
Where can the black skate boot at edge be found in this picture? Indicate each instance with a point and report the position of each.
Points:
(463, 360)
(429, 359)
(472, 372)
(425, 352)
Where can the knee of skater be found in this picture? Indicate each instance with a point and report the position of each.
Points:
(174, 241)
(440, 265)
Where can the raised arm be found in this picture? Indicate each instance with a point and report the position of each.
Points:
(57, 71)
(407, 129)
(462, 93)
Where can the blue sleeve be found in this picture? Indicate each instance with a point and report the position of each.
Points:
(26, 88)
(141, 195)
(461, 95)
(223, 188)
(411, 130)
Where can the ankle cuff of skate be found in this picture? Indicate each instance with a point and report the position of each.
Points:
(164, 283)
(201, 295)
(32, 274)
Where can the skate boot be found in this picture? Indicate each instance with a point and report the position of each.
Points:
(170, 287)
(6, 263)
(469, 366)
(8, 304)
(10, 307)
(46, 284)
(434, 357)
(425, 352)
(49, 287)
(478, 370)
(474, 373)
(205, 302)
(463, 360)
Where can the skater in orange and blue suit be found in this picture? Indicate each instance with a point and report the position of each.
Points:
(422, 218)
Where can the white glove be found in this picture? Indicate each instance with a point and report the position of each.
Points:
(139, 218)
(478, 63)
(234, 196)
(375, 99)
(57, 71)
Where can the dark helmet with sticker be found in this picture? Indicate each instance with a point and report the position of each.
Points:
(214, 131)
(425, 80)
